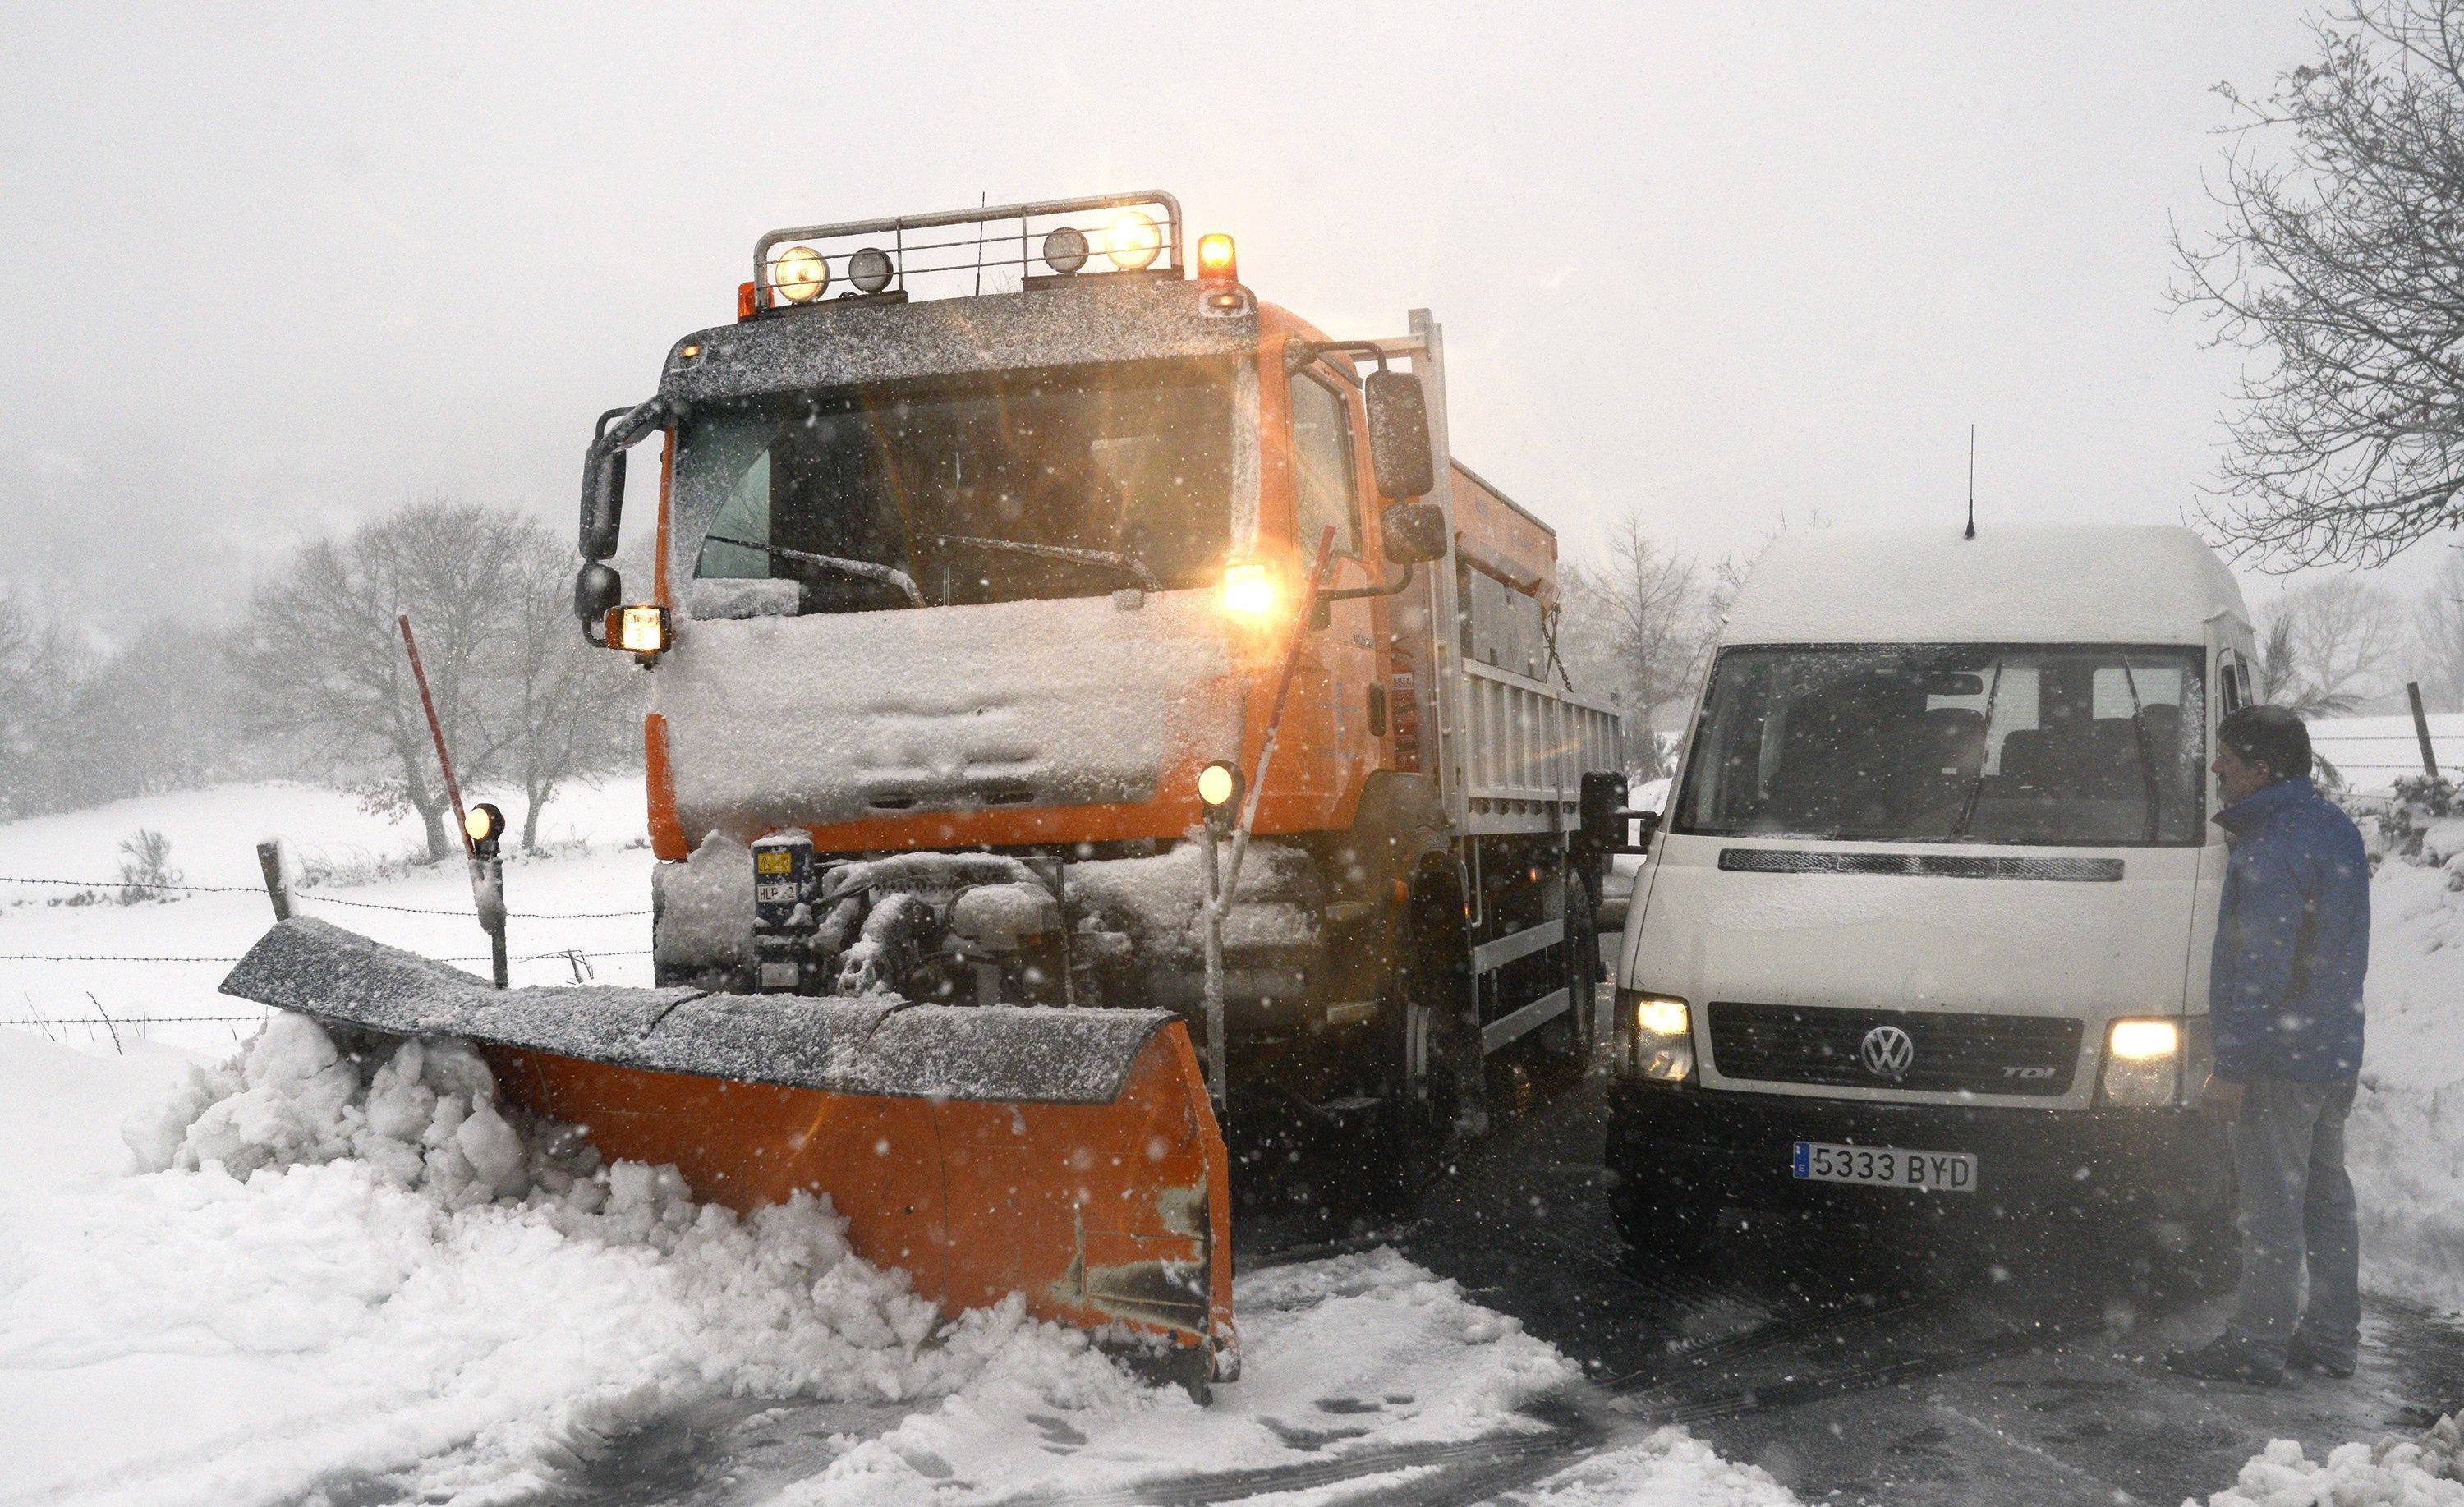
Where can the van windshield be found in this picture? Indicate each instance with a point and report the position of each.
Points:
(2019, 744)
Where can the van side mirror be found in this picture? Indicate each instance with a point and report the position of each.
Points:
(1415, 533)
(596, 592)
(1398, 434)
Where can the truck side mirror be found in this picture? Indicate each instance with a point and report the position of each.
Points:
(1415, 533)
(603, 500)
(1398, 434)
(1603, 797)
(596, 592)
(1605, 820)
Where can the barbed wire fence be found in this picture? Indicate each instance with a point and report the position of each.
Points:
(97, 1020)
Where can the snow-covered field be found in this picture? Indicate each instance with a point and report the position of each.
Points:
(367, 1285)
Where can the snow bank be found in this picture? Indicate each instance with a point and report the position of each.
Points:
(1669, 1469)
(2426, 1471)
(1348, 1356)
(360, 1269)
(2406, 1137)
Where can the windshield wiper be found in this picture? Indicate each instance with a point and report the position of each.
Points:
(886, 574)
(1128, 564)
(2139, 739)
(1976, 787)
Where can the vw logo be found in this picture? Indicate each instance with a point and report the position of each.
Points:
(1887, 1051)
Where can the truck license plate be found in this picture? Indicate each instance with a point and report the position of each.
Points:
(1884, 1166)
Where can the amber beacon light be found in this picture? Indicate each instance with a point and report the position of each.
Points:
(1216, 261)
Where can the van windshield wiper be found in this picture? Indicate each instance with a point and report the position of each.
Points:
(1127, 564)
(1976, 786)
(2139, 739)
(886, 574)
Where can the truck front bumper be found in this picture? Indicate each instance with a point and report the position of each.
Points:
(1669, 1144)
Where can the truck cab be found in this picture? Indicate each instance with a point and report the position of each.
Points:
(1926, 921)
(985, 540)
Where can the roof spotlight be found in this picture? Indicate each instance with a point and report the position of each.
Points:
(1065, 250)
(870, 270)
(1133, 241)
(800, 274)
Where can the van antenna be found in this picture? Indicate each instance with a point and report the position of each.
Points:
(1971, 483)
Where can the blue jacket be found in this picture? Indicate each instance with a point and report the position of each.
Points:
(2293, 940)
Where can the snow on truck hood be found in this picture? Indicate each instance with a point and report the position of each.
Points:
(2121, 583)
(791, 721)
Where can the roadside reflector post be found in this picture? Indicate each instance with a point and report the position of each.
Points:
(2421, 729)
(268, 860)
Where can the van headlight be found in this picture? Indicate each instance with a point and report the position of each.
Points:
(1660, 1029)
(2142, 1062)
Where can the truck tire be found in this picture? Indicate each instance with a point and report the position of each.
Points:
(1423, 1030)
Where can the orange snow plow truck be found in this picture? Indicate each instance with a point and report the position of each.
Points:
(1091, 717)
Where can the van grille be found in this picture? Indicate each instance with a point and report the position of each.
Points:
(2035, 1055)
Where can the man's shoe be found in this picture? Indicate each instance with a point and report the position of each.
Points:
(2300, 1355)
(2225, 1359)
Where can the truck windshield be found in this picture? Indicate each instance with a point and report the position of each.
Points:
(2030, 744)
(1068, 482)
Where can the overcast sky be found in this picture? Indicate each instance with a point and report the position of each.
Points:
(270, 272)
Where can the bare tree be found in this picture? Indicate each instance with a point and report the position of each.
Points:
(1635, 630)
(41, 733)
(2328, 646)
(318, 658)
(2340, 266)
(567, 708)
(2439, 636)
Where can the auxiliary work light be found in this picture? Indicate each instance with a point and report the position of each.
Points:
(1133, 241)
(870, 270)
(1216, 261)
(485, 823)
(1218, 786)
(1251, 593)
(800, 274)
(1065, 250)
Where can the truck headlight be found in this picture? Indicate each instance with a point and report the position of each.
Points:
(1662, 1030)
(1250, 593)
(2143, 1062)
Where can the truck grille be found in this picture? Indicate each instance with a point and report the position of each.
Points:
(2034, 1055)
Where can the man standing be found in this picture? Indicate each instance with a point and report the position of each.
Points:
(2293, 941)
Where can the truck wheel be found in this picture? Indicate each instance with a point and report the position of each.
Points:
(1421, 1046)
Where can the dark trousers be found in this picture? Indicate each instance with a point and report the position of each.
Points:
(2297, 1210)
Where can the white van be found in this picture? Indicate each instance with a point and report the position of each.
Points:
(1927, 919)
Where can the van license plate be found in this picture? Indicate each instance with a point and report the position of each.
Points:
(1884, 1166)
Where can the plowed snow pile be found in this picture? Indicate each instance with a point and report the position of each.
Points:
(360, 1278)
(359, 1266)
(2428, 1471)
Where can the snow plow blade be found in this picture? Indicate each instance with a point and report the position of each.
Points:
(1067, 1155)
